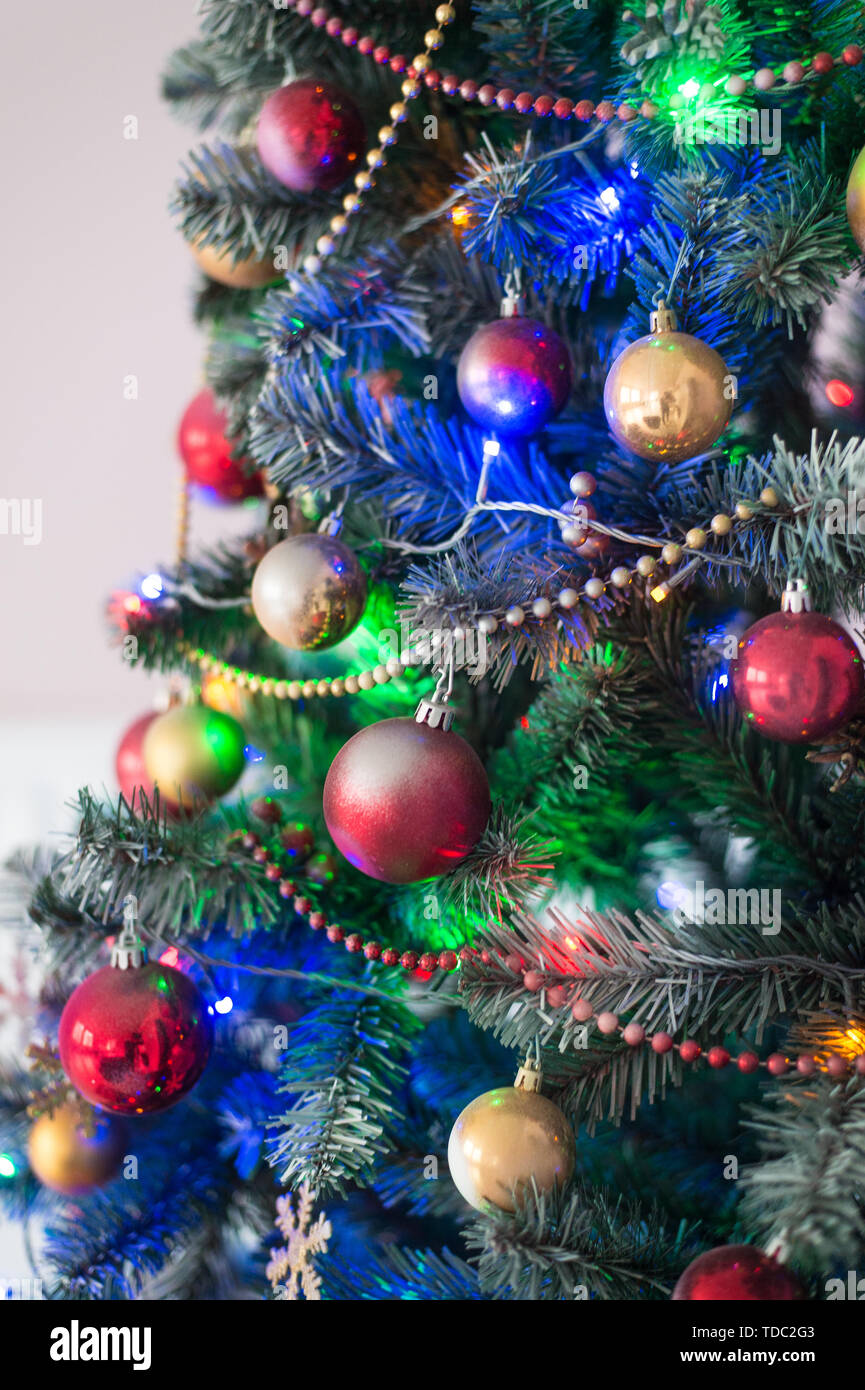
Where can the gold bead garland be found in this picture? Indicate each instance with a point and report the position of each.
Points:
(514, 616)
(182, 526)
(376, 155)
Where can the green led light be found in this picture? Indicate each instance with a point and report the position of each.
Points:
(7, 1167)
(690, 89)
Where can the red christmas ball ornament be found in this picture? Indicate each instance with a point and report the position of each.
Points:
(737, 1273)
(208, 453)
(135, 1036)
(514, 375)
(310, 135)
(406, 799)
(129, 760)
(797, 677)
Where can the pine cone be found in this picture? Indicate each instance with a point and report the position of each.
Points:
(679, 31)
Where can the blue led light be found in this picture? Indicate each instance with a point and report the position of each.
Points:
(671, 894)
(152, 586)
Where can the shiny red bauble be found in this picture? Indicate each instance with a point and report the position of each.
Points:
(404, 801)
(129, 761)
(797, 677)
(135, 1041)
(737, 1273)
(310, 135)
(208, 453)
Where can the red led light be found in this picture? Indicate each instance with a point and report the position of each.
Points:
(839, 393)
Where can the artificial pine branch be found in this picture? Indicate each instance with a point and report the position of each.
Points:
(400, 1273)
(807, 1189)
(699, 981)
(342, 1061)
(582, 1243)
(184, 879)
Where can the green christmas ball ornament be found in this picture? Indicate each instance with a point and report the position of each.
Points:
(194, 753)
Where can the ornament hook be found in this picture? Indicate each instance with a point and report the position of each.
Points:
(129, 951)
(434, 709)
(331, 525)
(512, 303)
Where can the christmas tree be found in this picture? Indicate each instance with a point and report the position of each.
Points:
(482, 913)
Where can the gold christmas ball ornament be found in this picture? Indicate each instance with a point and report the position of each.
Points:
(250, 273)
(856, 201)
(308, 592)
(669, 395)
(507, 1137)
(194, 753)
(68, 1159)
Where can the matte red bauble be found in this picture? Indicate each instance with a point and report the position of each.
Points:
(797, 677)
(737, 1273)
(310, 135)
(404, 801)
(129, 761)
(207, 453)
(514, 375)
(135, 1040)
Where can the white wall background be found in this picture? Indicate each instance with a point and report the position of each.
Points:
(97, 285)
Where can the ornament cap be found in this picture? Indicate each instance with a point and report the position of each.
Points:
(512, 307)
(129, 951)
(435, 711)
(795, 598)
(529, 1076)
(662, 319)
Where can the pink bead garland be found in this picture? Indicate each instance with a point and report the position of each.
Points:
(562, 108)
(717, 1057)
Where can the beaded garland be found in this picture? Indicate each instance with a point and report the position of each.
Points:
(430, 960)
(426, 959)
(574, 534)
(766, 79)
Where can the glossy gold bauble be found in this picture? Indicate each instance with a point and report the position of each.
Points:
(67, 1159)
(668, 396)
(193, 753)
(251, 273)
(309, 592)
(856, 201)
(503, 1140)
